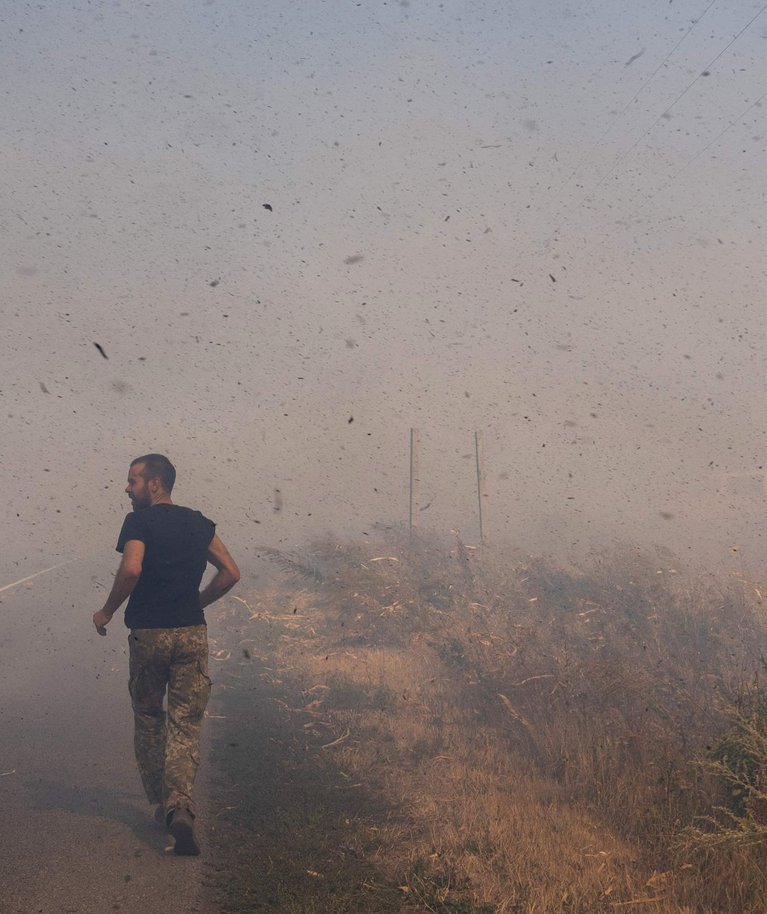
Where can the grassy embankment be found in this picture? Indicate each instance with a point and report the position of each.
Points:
(432, 729)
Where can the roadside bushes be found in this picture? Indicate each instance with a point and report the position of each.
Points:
(600, 730)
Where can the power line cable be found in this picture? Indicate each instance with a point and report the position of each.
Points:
(679, 97)
(639, 91)
(585, 199)
(733, 123)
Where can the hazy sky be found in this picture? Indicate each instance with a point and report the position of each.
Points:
(539, 221)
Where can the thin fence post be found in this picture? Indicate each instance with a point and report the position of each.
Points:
(480, 458)
(411, 510)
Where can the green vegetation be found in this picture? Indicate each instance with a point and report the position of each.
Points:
(427, 727)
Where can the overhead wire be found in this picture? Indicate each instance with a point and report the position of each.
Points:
(730, 125)
(733, 123)
(555, 232)
(639, 91)
(621, 158)
(665, 60)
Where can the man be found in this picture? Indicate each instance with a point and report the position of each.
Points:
(165, 549)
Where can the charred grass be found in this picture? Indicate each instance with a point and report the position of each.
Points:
(427, 727)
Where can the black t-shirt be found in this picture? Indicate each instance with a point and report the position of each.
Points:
(176, 542)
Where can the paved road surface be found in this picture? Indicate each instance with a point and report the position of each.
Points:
(76, 833)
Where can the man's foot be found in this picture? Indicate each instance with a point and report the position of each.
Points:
(181, 826)
(159, 815)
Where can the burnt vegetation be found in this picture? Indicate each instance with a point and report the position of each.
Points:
(429, 726)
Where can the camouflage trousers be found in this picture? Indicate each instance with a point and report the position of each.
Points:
(169, 688)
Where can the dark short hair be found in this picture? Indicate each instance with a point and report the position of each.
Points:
(157, 466)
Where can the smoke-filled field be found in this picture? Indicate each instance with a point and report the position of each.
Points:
(432, 727)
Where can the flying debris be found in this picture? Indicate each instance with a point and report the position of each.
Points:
(268, 206)
(632, 59)
(101, 349)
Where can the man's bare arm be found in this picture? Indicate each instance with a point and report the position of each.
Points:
(125, 582)
(227, 574)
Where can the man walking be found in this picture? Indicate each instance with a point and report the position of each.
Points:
(165, 550)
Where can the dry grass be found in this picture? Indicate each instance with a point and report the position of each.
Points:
(424, 727)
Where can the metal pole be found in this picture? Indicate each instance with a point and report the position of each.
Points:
(479, 489)
(413, 442)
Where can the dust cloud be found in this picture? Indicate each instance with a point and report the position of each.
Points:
(228, 231)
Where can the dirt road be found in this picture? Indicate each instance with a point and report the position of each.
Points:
(76, 833)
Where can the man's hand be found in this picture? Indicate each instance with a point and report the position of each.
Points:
(101, 620)
(226, 576)
(125, 581)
